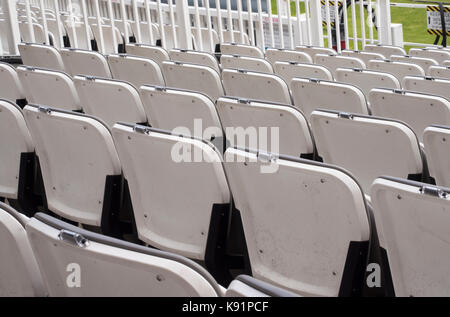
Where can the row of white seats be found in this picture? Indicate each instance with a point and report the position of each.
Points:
(332, 225)
(131, 68)
(174, 202)
(38, 254)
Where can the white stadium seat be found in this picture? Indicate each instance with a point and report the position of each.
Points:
(251, 64)
(194, 57)
(241, 49)
(412, 221)
(333, 62)
(137, 270)
(193, 77)
(78, 29)
(49, 88)
(398, 69)
(439, 72)
(282, 55)
(293, 130)
(314, 50)
(39, 37)
(428, 85)
(257, 86)
(366, 57)
(79, 163)
(366, 80)
(368, 147)
(155, 53)
(156, 163)
(385, 50)
(303, 212)
(290, 70)
(418, 110)
(119, 100)
(43, 56)
(207, 45)
(84, 62)
(107, 38)
(19, 272)
(436, 139)
(11, 88)
(145, 33)
(239, 38)
(136, 70)
(425, 63)
(170, 108)
(15, 142)
(438, 55)
(312, 94)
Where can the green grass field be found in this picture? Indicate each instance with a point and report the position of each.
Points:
(413, 20)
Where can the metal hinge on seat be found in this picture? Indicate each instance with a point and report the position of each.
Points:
(433, 191)
(73, 238)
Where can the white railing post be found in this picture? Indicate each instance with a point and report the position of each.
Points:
(184, 23)
(316, 23)
(384, 29)
(12, 25)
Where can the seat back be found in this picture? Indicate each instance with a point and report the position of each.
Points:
(43, 56)
(385, 50)
(333, 62)
(207, 45)
(366, 80)
(241, 49)
(79, 30)
(19, 271)
(303, 212)
(156, 163)
(155, 53)
(418, 110)
(424, 63)
(438, 55)
(52, 26)
(311, 94)
(194, 57)
(63, 251)
(246, 63)
(412, 220)
(193, 77)
(107, 38)
(120, 100)
(240, 118)
(368, 147)
(435, 139)
(439, 72)
(237, 37)
(39, 37)
(145, 33)
(49, 88)
(136, 70)
(366, 57)
(398, 69)
(428, 85)
(288, 71)
(274, 55)
(15, 140)
(256, 86)
(170, 108)
(84, 62)
(78, 162)
(313, 50)
(11, 88)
